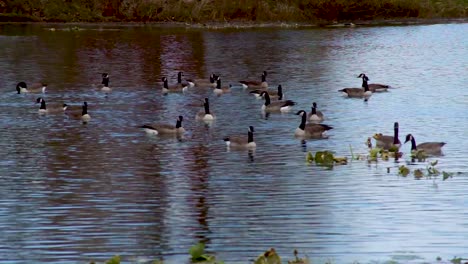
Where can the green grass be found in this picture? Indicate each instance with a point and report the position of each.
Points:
(227, 10)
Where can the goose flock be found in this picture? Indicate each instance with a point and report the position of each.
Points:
(310, 124)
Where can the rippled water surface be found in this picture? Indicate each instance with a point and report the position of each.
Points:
(71, 193)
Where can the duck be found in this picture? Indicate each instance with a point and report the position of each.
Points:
(373, 87)
(22, 87)
(242, 142)
(387, 142)
(104, 86)
(276, 106)
(310, 130)
(256, 84)
(357, 92)
(80, 114)
(167, 129)
(55, 109)
(205, 114)
(315, 115)
(173, 88)
(219, 90)
(274, 95)
(429, 148)
(210, 82)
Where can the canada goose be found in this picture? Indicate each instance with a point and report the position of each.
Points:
(256, 84)
(205, 114)
(241, 142)
(173, 88)
(277, 106)
(274, 95)
(373, 87)
(51, 109)
(357, 92)
(219, 90)
(210, 82)
(315, 115)
(387, 142)
(80, 114)
(185, 83)
(429, 148)
(155, 129)
(310, 130)
(22, 87)
(104, 86)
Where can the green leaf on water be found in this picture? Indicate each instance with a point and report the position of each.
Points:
(197, 251)
(446, 175)
(114, 260)
(309, 157)
(324, 158)
(374, 153)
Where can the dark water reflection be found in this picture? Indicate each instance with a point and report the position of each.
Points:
(72, 193)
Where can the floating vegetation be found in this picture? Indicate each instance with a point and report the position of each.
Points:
(325, 158)
(298, 260)
(197, 252)
(430, 171)
(268, 257)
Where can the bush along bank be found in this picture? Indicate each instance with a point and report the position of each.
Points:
(202, 11)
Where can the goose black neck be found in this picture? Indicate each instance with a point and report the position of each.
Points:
(179, 123)
(179, 77)
(207, 108)
(105, 81)
(85, 110)
(43, 105)
(267, 99)
(303, 122)
(218, 84)
(263, 78)
(314, 110)
(413, 144)
(165, 85)
(250, 137)
(395, 135)
(365, 86)
(364, 81)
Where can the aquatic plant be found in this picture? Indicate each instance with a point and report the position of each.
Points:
(298, 260)
(268, 257)
(403, 170)
(325, 158)
(197, 252)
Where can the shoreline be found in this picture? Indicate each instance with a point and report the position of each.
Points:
(253, 24)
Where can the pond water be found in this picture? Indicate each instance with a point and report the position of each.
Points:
(73, 192)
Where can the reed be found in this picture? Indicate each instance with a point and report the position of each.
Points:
(227, 11)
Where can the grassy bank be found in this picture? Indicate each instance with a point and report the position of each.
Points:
(226, 10)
